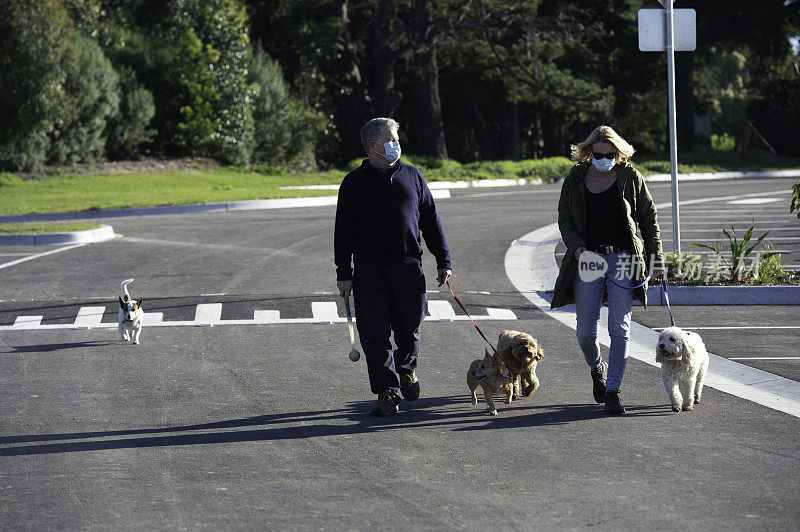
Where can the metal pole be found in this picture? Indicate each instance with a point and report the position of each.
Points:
(673, 130)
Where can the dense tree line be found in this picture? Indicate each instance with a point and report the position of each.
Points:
(292, 81)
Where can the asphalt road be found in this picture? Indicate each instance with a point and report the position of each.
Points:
(254, 426)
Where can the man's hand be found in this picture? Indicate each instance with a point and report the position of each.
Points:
(657, 272)
(443, 274)
(345, 287)
(578, 252)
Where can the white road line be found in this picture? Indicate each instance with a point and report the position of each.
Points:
(441, 310)
(36, 256)
(765, 358)
(324, 311)
(753, 201)
(26, 322)
(208, 314)
(153, 318)
(89, 317)
(266, 316)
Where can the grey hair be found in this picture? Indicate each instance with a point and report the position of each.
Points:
(373, 130)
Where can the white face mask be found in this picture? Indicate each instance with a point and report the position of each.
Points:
(604, 165)
(392, 151)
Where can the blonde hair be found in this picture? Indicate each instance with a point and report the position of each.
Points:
(583, 151)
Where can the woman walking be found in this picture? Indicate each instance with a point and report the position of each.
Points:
(603, 200)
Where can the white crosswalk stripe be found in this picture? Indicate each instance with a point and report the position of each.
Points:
(210, 314)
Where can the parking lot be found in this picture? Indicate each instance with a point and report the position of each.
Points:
(263, 424)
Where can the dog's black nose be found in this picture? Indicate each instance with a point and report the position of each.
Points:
(661, 346)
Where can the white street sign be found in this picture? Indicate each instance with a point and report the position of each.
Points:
(653, 33)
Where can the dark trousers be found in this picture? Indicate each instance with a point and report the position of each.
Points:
(389, 298)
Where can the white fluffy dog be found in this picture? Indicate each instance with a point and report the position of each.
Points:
(684, 361)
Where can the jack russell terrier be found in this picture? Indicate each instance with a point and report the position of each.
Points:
(131, 314)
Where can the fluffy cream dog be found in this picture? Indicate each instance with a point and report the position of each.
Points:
(522, 353)
(485, 372)
(684, 361)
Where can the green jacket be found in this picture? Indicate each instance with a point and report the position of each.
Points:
(639, 208)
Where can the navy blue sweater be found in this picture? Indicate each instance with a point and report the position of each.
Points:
(382, 216)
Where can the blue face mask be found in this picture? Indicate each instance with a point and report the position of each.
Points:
(392, 150)
(603, 165)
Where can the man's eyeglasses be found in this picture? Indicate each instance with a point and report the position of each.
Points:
(599, 156)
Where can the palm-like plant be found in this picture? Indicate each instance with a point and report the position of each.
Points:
(739, 250)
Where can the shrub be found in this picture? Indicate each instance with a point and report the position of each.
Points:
(221, 26)
(91, 90)
(196, 95)
(128, 130)
(770, 268)
(34, 33)
(722, 142)
(285, 130)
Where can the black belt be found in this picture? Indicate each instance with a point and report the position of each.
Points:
(603, 249)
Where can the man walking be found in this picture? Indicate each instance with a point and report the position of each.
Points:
(384, 210)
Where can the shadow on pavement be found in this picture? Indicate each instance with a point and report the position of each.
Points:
(434, 412)
(47, 348)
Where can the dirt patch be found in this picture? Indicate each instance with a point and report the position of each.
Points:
(184, 164)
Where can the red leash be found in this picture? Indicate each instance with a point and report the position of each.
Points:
(479, 329)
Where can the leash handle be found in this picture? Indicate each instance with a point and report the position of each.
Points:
(478, 328)
(666, 298)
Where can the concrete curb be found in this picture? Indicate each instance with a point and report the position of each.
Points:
(284, 203)
(711, 176)
(441, 185)
(725, 295)
(90, 236)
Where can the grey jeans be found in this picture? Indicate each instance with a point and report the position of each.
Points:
(589, 300)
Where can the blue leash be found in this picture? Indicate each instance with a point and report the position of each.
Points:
(609, 279)
(666, 298)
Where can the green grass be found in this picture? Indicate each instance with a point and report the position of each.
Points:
(38, 228)
(114, 191)
(76, 192)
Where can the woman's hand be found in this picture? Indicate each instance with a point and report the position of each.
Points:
(578, 252)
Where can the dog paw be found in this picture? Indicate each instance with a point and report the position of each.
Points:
(676, 408)
(492, 412)
(136, 342)
(697, 400)
(688, 408)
